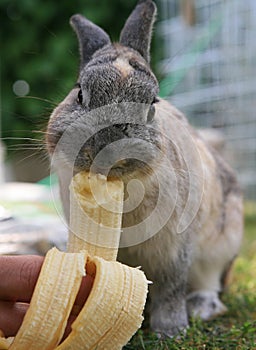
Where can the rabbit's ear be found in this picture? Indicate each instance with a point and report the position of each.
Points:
(137, 30)
(90, 37)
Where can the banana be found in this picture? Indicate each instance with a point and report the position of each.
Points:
(113, 311)
(96, 207)
(114, 316)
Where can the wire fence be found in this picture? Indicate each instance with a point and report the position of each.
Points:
(209, 73)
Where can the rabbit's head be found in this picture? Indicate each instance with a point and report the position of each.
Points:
(106, 120)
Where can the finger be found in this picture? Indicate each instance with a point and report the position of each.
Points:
(12, 314)
(18, 276)
(11, 317)
(84, 291)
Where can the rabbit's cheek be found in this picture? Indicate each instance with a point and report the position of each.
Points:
(60, 118)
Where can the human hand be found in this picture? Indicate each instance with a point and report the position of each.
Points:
(18, 277)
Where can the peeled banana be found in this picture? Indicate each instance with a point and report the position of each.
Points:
(96, 207)
(113, 310)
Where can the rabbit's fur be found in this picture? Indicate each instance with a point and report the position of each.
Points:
(196, 232)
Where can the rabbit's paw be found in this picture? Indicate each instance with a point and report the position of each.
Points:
(175, 332)
(205, 304)
(167, 324)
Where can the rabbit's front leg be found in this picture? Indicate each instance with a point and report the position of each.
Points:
(168, 313)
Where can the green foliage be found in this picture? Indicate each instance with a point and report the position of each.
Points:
(39, 46)
(235, 330)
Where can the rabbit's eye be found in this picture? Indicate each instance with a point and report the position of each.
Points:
(80, 97)
(151, 113)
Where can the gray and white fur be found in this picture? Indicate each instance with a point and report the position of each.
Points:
(199, 222)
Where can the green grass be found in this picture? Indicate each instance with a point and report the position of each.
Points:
(234, 330)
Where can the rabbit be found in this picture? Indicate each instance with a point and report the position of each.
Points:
(182, 220)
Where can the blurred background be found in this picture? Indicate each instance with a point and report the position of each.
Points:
(203, 54)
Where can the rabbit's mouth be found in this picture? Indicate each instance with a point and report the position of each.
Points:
(109, 166)
(122, 168)
(120, 150)
(116, 150)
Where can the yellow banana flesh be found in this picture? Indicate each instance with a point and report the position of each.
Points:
(113, 310)
(96, 207)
